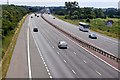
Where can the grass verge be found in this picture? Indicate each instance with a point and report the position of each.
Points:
(98, 25)
(4, 65)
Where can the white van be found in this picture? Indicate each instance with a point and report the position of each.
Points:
(83, 27)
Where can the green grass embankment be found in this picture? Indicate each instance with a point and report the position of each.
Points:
(8, 54)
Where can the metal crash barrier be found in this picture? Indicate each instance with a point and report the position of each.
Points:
(83, 43)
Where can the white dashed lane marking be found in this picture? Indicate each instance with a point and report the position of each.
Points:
(58, 53)
(75, 53)
(52, 46)
(65, 61)
(73, 71)
(84, 61)
(98, 73)
(50, 76)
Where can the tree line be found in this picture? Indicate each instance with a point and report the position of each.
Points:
(11, 15)
(72, 10)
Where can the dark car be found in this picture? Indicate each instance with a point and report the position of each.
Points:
(37, 16)
(31, 16)
(62, 45)
(93, 36)
(35, 29)
(53, 17)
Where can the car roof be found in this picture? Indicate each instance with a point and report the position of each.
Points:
(63, 42)
(83, 23)
(93, 34)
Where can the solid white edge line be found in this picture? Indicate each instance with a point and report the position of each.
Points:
(94, 55)
(28, 50)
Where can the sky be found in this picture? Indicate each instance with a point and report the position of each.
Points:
(82, 3)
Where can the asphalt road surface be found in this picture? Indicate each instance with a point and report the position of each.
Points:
(19, 67)
(36, 55)
(106, 43)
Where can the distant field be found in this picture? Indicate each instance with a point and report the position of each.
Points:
(98, 25)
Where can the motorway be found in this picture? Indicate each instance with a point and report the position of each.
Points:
(105, 43)
(36, 55)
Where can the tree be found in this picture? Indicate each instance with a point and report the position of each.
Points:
(99, 13)
(75, 13)
(60, 12)
(111, 12)
(11, 16)
(74, 17)
(70, 6)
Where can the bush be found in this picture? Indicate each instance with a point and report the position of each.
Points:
(74, 17)
(67, 17)
(88, 20)
(11, 16)
(60, 13)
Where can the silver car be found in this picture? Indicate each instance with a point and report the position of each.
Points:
(93, 36)
(62, 44)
